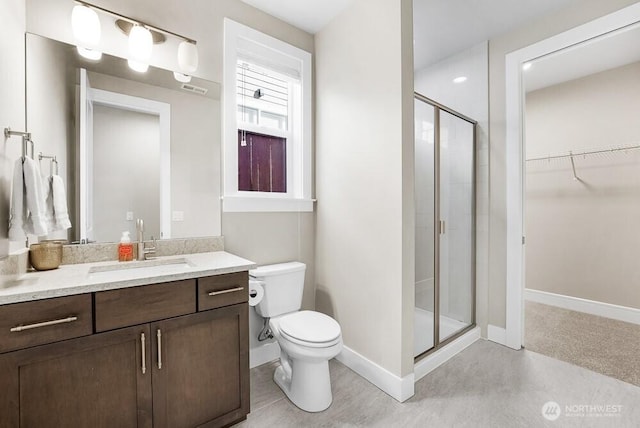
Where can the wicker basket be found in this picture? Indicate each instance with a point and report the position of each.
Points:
(45, 255)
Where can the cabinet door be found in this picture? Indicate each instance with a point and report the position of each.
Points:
(201, 369)
(94, 381)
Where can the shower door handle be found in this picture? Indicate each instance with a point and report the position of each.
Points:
(441, 227)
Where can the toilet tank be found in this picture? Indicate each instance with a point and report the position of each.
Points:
(283, 284)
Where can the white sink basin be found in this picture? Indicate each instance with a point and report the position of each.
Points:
(140, 269)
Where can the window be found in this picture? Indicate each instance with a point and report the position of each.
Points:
(267, 123)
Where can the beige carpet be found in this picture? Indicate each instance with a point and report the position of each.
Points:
(600, 344)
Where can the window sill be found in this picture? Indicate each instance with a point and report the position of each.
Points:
(232, 204)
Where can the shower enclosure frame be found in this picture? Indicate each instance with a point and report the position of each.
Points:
(437, 344)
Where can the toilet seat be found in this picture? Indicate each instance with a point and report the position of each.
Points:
(310, 328)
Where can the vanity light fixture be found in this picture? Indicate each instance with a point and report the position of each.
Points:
(142, 37)
(140, 48)
(85, 25)
(460, 79)
(188, 56)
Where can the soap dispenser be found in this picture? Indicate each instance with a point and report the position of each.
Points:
(125, 248)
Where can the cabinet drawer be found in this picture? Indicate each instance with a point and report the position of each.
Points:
(138, 305)
(222, 290)
(44, 321)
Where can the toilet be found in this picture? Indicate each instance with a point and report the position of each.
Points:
(307, 339)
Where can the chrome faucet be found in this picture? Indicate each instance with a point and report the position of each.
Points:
(143, 251)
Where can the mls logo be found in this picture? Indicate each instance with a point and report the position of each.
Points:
(551, 410)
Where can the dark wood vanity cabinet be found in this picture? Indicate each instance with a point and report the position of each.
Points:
(198, 375)
(93, 381)
(172, 371)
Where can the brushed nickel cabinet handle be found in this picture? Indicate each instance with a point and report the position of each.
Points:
(144, 354)
(43, 324)
(159, 334)
(228, 290)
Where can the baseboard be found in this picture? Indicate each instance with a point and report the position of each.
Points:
(607, 310)
(497, 334)
(263, 354)
(399, 388)
(441, 356)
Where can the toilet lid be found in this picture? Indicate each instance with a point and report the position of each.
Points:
(310, 326)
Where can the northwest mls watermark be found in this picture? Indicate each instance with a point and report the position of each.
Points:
(552, 410)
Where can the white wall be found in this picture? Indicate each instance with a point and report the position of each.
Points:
(470, 98)
(572, 16)
(582, 236)
(12, 104)
(364, 146)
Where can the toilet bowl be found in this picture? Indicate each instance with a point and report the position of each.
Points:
(307, 339)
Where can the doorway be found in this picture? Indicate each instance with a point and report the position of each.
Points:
(578, 191)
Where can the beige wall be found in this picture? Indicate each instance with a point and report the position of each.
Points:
(583, 12)
(12, 105)
(582, 236)
(364, 149)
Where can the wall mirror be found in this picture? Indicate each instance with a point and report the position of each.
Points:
(129, 145)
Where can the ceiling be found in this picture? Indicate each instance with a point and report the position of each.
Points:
(309, 15)
(612, 50)
(443, 28)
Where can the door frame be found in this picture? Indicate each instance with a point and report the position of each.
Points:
(515, 167)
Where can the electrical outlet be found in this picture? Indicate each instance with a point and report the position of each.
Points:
(177, 216)
(129, 215)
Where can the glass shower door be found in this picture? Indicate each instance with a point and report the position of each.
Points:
(445, 225)
(456, 226)
(425, 220)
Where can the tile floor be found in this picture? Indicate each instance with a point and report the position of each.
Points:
(487, 385)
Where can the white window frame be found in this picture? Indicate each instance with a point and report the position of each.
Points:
(242, 41)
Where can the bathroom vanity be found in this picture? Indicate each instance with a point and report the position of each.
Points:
(129, 345)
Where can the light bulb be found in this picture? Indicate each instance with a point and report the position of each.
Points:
(184, 78)
(85, 25)
(460, 79)
(140, 43)
(139, 66)
(187, 57)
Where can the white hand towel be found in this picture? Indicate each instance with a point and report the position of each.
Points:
(57, 200)
(34, 197)
(18, 212)
(27, 212)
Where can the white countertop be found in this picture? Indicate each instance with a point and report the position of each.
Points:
(89, 277)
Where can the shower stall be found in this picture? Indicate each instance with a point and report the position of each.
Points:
(445, 225)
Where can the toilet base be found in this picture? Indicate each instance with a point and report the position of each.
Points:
(306, 384)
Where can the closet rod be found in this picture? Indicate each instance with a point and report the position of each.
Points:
(592, 152)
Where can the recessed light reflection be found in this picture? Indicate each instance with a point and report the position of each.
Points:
(460, 79)
(526, 66)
